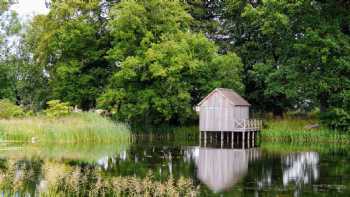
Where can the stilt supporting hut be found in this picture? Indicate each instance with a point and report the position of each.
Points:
(224, 117)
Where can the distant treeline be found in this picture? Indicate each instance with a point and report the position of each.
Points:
(151, 61)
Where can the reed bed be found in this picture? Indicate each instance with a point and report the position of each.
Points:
(49, 178)
(75, 128)
(295, 131)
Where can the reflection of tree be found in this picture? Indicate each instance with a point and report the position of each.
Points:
(288, 172)
(300, 168)
(163, 161)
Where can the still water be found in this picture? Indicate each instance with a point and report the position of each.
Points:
(278, 170)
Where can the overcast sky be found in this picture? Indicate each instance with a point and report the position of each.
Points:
(27, 8)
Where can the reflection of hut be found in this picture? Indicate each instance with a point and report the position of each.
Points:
(220, 169)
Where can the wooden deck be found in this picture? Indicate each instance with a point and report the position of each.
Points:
(247, 125)
(243, 126)
(245, 131)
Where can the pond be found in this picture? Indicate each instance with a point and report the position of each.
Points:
(159, 168)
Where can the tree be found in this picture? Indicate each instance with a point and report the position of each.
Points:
(164, 68)
(293, 51)
(9, 26)
(205, 15)
(70, 44)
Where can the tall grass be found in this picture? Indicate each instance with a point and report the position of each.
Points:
(62, 179)
(294, 130)
(74, 128)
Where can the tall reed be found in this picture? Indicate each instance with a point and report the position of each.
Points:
(50, 178)
(295, 130)
(75, 128)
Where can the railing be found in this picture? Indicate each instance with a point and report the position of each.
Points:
(248, 125)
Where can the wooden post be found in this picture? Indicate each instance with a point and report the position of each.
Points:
(200, 138)
(232, 139)
(205, 138)
(222, 139)
(211, 138)
(253, 138)
(243, 140)
(248, 139)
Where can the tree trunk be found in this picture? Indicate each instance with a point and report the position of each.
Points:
(324, 102)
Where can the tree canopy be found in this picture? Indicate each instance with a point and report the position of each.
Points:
(152, 61)
(164, 68)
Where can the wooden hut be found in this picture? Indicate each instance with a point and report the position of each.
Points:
(223, 110)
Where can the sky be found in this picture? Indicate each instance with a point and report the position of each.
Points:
(27, 8)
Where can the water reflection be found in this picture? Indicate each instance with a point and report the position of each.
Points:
(300, 168)
(231, 172)
(220, 169)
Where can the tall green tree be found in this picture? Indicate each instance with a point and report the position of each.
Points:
(164, 69)
(70, 44)
(294, 52)
(9, 26)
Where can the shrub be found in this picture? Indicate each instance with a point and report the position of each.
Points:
(56, 108)
(337, 119)
(10, 110)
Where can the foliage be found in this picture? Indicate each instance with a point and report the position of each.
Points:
(56, 108)
(294, 52)
(142, 61)
(10, 110)
(9, 26)
(75, 128)
(337, 119)
(164, 69)
(70, 44)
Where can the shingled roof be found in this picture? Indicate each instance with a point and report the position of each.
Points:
(230, 94)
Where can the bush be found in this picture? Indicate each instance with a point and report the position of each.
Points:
(56, 108)
(10, 110)
(337, 119)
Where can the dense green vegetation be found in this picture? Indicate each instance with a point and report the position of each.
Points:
(296, 131)
(149, 62)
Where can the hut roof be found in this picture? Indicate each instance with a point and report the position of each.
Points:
(230, 94)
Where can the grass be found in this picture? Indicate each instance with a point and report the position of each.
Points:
(293, 130)
(75, 128)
